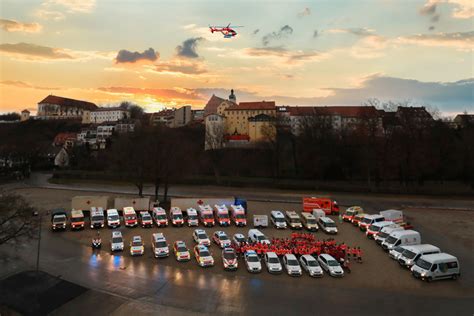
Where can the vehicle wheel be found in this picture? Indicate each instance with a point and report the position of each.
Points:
(429, 279)
(455, 276)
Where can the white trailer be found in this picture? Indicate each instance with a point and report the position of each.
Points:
(260, 221)
(84, 203)
(139, 204)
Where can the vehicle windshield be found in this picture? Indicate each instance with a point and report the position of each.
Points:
(240, 216)
(423, 264)
(146, 217)
(311, 221)
(202, 236)
(117, 240)
(223, 237)
(182, 249)
(399, 249)
(261, 238)
(130, 217)
(312, 263)
(366, 221)
(207, 216)
(177, 216)
(350, 213)
(229, 255)
(273, 260)
(295, 220)
(292, 262)
(409, 254)
(113, 218)
(192, 217)
(383, 235)
(391, 240)
(279, 220)
(136, 243)
(223, 215)
(161, 216)
(160, 244)
(330, 224)
(205, 253)
(374, 228)
(333, 263)
(240, 239)
(97, 218)
(252, 258)
(58, 219)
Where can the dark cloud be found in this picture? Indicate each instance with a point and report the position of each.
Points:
(283, 32)
(305, 12)
(428, 9)
(180, 68)
(255, 31)
(188, 48)
(315, 33)
(126, 56)
(435, 18)
(34, 51)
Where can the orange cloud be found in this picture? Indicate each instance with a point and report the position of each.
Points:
(15, 26)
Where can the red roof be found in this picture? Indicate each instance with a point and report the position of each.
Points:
(62, 137)
(212, 104)
(167, 112)
(52, 99)
(347, 111)
(262, 105)
(301, 110)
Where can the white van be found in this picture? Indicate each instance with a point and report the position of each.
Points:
(159, 246)
(396, 252)
(97, 217)
(317, 213)
(113, 218)
(257, 236)
(116, 243)
(327, 225)
(293, 220)
(401, 238)
(375, 228)
(278, 219)
(385, 232)
(159, 216)
(370, 219)
(309, 221)
(192, 217)
(436, 266)
(412, 253)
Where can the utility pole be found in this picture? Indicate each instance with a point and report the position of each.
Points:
(39, 244)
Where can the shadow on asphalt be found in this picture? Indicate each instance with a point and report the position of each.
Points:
(32, 293)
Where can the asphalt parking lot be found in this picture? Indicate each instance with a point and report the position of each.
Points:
(146, 284)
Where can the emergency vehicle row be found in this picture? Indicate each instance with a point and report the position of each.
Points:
(388, 229)
(204, 215)
(253, 262)
(311, 221)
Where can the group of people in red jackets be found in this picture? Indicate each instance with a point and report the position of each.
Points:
(304, 244)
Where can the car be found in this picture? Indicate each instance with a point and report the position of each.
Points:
(116, 243)
(200, 237)
(203, 256)
(221, 239)
(159, 245)
(257, 236)
(113, 218)
(311, 265)
(137, 247)
(252, 261)
(181, 252)
(145, 219)
(176, 216)
(192, 217)
(291, 264)
(238, 239)
(272, 262)
(229, 259)
(327, 225)
(330, 265)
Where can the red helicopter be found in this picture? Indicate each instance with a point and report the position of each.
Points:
(227, 31)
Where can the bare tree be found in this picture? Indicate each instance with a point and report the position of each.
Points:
(16, 218)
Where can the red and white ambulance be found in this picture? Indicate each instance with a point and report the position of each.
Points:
(130, 216)
(238, 215)
(206, 215)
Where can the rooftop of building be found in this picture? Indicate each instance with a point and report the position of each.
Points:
(53, 99)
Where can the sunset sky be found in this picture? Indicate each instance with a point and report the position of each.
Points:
(161, 53)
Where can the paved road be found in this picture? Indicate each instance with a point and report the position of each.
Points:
(372, 202)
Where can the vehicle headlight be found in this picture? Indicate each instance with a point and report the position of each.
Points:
(423, 274)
